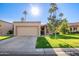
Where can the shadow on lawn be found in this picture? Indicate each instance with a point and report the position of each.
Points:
(65, 46)
(42, 43)
(62, 37)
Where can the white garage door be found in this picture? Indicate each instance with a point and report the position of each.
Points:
(27, 31)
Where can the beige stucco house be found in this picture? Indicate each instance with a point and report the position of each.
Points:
(26, 28)
(5, 27)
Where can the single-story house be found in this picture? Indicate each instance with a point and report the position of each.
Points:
(5, 27)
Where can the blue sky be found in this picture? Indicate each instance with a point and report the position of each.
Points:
(13, 12)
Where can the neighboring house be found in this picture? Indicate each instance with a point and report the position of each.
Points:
(74, 27)
(5, 27)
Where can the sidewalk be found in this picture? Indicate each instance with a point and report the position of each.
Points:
(44, 52)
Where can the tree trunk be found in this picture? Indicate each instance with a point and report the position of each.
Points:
(25, 17)
(55, 35)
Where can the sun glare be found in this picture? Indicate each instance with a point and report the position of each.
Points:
(35, 11)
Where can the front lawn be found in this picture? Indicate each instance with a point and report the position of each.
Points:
(62, 41)
(4, 37)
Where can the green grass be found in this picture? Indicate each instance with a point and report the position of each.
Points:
(61, 41)
(4, 37)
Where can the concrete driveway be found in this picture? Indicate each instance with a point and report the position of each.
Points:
(18, 45)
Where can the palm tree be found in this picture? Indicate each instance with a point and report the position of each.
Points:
(22, 19)
(25, 13)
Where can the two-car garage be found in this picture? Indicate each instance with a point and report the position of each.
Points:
(27, 28)
(27, 31)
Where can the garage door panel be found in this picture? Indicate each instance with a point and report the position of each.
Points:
(27, 31)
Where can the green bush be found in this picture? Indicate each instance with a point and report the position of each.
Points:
(10, 32)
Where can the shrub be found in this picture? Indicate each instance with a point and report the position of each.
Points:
(10, 32)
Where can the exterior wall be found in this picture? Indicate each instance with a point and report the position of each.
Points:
(5, 27)
(77, 28)
(39, 29)
(45, 30)
(26, 24)
(1, 24)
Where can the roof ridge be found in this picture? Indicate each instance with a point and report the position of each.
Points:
(5, 21)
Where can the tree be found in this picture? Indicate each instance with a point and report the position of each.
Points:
(55, 24)
(60, 22)
(61, 15)
(25, 13)
(52, 19)
(22, 19)
(64, 27)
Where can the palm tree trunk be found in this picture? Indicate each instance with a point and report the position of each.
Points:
(25, 17)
